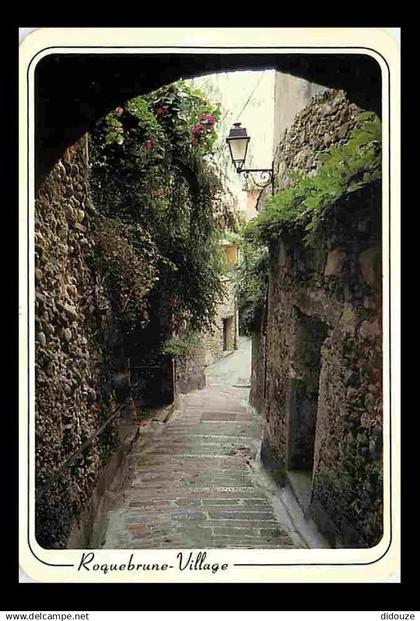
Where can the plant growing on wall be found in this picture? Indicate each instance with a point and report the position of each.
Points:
(160, 213)
(344, 169)
(129, 260)
(251, 281)
(181, 347)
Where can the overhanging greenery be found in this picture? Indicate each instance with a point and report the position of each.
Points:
(160, 211)
(344, 169)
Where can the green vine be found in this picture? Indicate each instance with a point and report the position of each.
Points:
(182, 346)
(344, 169)
(128, 259)
(251, 281)
(160, 213)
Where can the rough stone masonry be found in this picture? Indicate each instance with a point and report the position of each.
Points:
(71, 372)
(317, 363)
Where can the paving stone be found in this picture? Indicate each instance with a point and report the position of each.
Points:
(220, 501)
(255, 502)
(189, 515)
(225, 515)
(191, 485)
(190, 502)
(245, 417)
(218, 416)
(151, 505)
(242, 523)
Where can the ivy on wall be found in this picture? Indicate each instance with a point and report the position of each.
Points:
(344, 169)
(183, 346)
(304, 204)
(251, 282)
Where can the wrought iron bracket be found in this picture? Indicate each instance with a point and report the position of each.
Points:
(261, 177)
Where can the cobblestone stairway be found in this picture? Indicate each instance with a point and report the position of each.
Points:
(193, 485)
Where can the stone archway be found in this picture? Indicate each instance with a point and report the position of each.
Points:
(67, 108)
(65, 111)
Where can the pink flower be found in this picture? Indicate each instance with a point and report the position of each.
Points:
(119, 111)
(208, 118)
(148, 144)
(199, 128)
(159, 111)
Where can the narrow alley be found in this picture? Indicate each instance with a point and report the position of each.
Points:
(194, 482)
(219, 205)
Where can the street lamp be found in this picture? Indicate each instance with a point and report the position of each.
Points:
(238, 141)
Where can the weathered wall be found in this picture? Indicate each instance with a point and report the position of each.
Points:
(323, 364)
(338, 284)
(214, 341)
(190, 370)
(251, 204)
(326, 121)
(72, 376)
(302, 134)
(258, 368)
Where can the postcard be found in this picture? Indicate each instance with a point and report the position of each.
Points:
(209, 305)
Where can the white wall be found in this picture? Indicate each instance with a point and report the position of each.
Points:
(266, 103)
(290, 97)
(246, 97)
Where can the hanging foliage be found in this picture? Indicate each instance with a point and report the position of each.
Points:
(251, 282)
(303, 204)
(160, 209)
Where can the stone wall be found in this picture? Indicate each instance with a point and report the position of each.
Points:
(323, 403)
(291, 95)
(214, 341)
(326, 121)
(308, 131)
(190, 371)
(72, 372)
(258, 367)
(317, 377)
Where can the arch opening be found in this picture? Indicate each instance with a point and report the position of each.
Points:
(66, 108)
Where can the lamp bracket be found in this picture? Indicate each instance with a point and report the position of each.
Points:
(261, 177)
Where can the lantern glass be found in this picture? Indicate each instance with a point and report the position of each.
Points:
(238, 145)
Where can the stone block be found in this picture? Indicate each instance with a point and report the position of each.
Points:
(348, 319)
(334, 264)
(272, 464)
(371, 266)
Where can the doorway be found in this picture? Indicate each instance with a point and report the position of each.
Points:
(302, 404)
(228, 334)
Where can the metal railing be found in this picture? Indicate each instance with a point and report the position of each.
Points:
(77, 453)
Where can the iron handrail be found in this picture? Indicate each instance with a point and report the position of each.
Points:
(54, 477)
